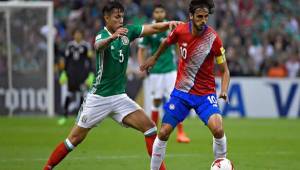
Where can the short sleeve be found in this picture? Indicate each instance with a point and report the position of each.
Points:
(98, 38)
(218, 50)
(67, 51)
(144, 42)
(172, 37)
(134, 31)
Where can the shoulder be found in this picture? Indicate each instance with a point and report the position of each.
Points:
(70, 44)
(182, 27)
(101, 35)
(132, 27)
(211, 30)
(85, 43)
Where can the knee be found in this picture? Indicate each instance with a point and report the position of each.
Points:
(76, 139)
(164, 134)
(156, 102)
(218, 132)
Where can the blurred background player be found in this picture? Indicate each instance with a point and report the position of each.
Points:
(107, 97)
(200, 47)
(163, 74)
(78, 73)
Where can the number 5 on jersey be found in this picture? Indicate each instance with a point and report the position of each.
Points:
(121, 59)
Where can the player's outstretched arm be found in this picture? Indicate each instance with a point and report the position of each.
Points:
(152, 60)
(103, 43)
(225, 79)
(155, 28)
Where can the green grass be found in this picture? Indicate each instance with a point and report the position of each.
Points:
(254, 144)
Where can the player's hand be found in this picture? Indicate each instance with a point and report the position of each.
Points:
(174, 24)
(120, 32)
(148, 64)
(223, 95)
(142, 74)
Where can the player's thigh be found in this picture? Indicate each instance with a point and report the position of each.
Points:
(139, 121)
(128, 113)
(93, 110)
(176, 110)
(207, 107)
(169, 83)
(156, 83)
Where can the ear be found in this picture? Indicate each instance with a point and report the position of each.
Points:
(106, 18)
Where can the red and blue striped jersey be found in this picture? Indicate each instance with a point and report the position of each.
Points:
(196, 62)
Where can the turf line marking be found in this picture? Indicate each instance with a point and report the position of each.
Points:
(112, 157)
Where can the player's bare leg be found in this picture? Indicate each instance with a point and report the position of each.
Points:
(159, 146)
(155, 110)
(181, 136)
(215, 124)
(139, 121)
(76, 136)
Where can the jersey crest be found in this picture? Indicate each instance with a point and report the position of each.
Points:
(125, 40)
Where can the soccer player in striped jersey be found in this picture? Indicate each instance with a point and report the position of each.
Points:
(195, 89)
(163, 74)
(107, 97)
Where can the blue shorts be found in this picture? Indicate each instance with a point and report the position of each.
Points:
(180, 103)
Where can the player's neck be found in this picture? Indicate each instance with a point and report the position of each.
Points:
(196, 31)
(78, 41)
(109, 29)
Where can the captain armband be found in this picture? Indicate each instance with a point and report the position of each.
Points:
(221, 59)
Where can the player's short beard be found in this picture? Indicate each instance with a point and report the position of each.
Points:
(201, 28)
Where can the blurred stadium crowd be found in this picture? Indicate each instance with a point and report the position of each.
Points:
(262, 37)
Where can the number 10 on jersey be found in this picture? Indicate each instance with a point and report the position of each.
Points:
(183, 52)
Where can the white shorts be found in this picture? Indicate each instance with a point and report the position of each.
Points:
(96, 108)
(161, 85)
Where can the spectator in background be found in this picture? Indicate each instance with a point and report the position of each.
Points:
(277, 70)
(293, 66)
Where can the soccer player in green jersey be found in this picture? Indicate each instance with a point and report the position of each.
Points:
(162, 76)
(107, 97)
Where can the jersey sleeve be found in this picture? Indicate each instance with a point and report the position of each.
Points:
(134, 31)
(173, 36)
(144, 42)
(67, 51)
(99, 37)
(218, 50)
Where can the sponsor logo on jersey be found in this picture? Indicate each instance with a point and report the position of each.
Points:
(172, 107)
(125, 40)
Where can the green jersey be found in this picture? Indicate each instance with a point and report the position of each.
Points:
(166, 62)
(111, 62)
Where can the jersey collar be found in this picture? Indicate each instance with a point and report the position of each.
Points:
(110, 34)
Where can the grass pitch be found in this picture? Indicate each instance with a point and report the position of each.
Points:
(253, 144)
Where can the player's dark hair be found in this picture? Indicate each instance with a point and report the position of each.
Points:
(110, 6)
(78, 29)
(159, 6)
(195, 4)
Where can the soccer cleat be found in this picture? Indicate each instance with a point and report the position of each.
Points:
(62, 121)
(182, 138)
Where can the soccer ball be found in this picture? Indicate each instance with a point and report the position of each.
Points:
(222, 164)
